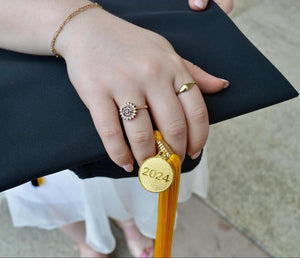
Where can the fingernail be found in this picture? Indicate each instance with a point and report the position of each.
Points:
(226, 83)
(199, 3)
(196, 155)
(128, 167)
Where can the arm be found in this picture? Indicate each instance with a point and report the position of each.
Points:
(28, 26)
(111, 61)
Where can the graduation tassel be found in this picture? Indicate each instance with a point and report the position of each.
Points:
(162, 174)
(37, 182)
(167, 205)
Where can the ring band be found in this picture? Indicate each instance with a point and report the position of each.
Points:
(185, 87)
(129, 110)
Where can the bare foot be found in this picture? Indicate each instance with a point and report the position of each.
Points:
(86, 251)
(76, 231)
(138, 244)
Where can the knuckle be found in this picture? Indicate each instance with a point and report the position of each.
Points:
(150, 69)
(115, 149)
(199, 114)
(141, 138)
(198, 144)
(110, 132)
(177, 128)
(162, 41)
(118, 155)
(177, 60)
(126, 77)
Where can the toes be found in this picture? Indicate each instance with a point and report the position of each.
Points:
(86, 251)
(138, 244)
(148, 251)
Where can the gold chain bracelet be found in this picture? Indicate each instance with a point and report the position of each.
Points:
(78, 11)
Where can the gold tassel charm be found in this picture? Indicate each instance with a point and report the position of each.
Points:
(165, 169)
(156, 174)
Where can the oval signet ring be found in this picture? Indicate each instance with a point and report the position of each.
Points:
(185, 87)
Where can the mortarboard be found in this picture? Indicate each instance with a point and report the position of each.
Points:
(46, 128)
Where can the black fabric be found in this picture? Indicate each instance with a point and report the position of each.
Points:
(97, 168)
(46, 128)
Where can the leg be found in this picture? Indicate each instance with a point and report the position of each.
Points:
(76, 232)
(138, 244)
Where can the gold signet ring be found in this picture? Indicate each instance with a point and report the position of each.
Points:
(129, 110)
(185, 87)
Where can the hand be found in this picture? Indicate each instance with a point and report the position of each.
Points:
(199, 5)
(111, 62)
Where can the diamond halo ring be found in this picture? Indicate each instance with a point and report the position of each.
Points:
(129, 110)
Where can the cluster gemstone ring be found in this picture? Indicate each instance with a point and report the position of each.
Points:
(129, 110)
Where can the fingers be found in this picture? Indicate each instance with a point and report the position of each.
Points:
(182, 119)
(139, 130)
(169, 117)
(198, 5)
(207, 83)
(106, 119)
(197, 120)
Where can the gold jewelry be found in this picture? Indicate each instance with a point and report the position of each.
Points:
(78, 11)
(185, 87)
(155, 173)
(128, 111)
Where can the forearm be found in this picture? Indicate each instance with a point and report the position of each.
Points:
(28, 26)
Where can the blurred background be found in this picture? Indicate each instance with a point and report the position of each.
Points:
(253, 206)
(255, 159)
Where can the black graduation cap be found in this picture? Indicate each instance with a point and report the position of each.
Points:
(46, 128)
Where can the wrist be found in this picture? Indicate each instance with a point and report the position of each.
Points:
(71, 26)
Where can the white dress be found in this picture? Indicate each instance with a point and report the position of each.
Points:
(65, 199)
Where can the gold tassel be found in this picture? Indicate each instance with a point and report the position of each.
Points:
(167, 205)
(40, 180)
(37, 182)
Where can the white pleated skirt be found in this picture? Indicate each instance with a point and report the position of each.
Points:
(64, 199)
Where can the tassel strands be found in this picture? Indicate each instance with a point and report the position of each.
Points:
(167, 205)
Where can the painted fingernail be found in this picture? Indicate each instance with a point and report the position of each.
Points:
(128, 167)
(199, 3)
(226, 83)
(196, 155)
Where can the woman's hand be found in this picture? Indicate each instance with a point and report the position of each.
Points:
(199, 5)
(111, 62)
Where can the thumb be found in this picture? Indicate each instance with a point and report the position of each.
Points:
(198, 5)
(207, 83)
